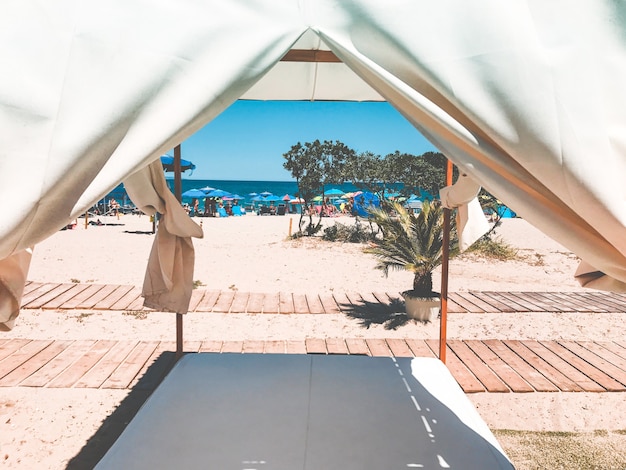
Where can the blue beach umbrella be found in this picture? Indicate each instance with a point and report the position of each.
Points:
(194, 193)
(206, 189)
(168, 164)
(218, 193)
(265, 194)
(334, 192)
(272, 198)
(251, 195)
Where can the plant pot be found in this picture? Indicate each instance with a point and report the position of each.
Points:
(424, 309)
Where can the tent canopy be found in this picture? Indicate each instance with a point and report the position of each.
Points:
(525, 96)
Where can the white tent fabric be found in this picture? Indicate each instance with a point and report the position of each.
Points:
(525, 96)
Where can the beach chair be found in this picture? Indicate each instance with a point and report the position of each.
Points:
(221, 212)
(237, 211)
(281, 209)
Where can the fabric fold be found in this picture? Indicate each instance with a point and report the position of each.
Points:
(13, 274)
(471, 223)
(169, 276)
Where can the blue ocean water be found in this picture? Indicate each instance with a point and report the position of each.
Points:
(242, 188)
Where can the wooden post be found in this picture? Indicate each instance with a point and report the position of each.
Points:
(178, 193)
(443, 324)
(290, 223)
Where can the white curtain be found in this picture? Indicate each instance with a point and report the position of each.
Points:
(525, 96)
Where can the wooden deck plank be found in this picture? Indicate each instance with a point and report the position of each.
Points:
(208, 301)
(420, 348)
(357, 346)
(295, 347)
(517, 304)
(196, 297)
(498, 303)
(224, 301)
(343, 302)
(476, 300)
(598, 358)
(240, 302)
(285, 303)
(618, 299)
(127, 299)
(74, 372)
(454, 307)
(604, 301)
(74, 351)
(96, 376)
(131, 366)
(100, 295)
(584, 305)
(575, 380)
(399, 347)
(232, 347)
(378, 347)
(300, 304)
(137, 305)
(253, 347)
(211, 346)
(315, 304)
(61, 299)
(528, 301)
(484, 374)
(50, 295)
(271, 303)
(315, 346)
(34, 363)
(337, 346)
(33, 295)
(31, 286)
(544, 303)
(21, 356)
(274, 347)
(81, 296)
(616, 349)
(503, 370)
(329, 304)
(255, 303)
(465, 378)
(156, 367)
(543, 377)
(9, 347)
(112, 298)
(599, 377)
(527, 371)
(461, 301)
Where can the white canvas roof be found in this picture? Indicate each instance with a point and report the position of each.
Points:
(525, 96)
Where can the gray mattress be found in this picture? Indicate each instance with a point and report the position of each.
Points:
(266, 412)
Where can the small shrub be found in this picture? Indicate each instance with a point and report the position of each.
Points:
(348, 233)
(494, 248)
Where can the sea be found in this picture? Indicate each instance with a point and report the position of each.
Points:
(245, 189)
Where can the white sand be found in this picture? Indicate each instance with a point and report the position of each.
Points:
(45, 428)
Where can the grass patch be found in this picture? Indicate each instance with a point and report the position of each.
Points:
(197, 284)
(138, 314)
(596, 450)
(495, 248)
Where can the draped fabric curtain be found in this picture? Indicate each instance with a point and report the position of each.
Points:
(524, 96)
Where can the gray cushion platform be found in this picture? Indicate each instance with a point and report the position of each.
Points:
(318, 412)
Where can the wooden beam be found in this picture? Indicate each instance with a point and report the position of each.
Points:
(309, 55)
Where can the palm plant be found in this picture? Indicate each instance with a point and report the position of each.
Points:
(410, 242)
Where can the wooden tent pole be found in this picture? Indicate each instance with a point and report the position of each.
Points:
(443, 324)
(178, 192)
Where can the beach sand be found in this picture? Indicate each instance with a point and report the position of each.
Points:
(46, 428)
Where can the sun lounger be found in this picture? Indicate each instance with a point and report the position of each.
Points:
(264, 411)
(237, 211)
(221, 212)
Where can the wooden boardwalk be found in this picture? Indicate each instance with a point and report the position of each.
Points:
(119, 297)
(478, 365)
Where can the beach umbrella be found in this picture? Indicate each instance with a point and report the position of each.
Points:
(194, 193)
(287, 197)
(271, 198)
(236, 196)
(206, 189)
(297, 200)
(334, 192)
(252, 194)
(218, 193)
(265, 194)
(168, 164)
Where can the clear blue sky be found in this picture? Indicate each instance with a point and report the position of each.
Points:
(248, 140)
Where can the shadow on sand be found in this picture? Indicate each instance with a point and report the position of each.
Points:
(114, 424)
(391, 315)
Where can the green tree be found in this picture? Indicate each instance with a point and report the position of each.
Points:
(314, 165)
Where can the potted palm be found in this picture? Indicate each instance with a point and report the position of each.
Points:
(414, 243)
